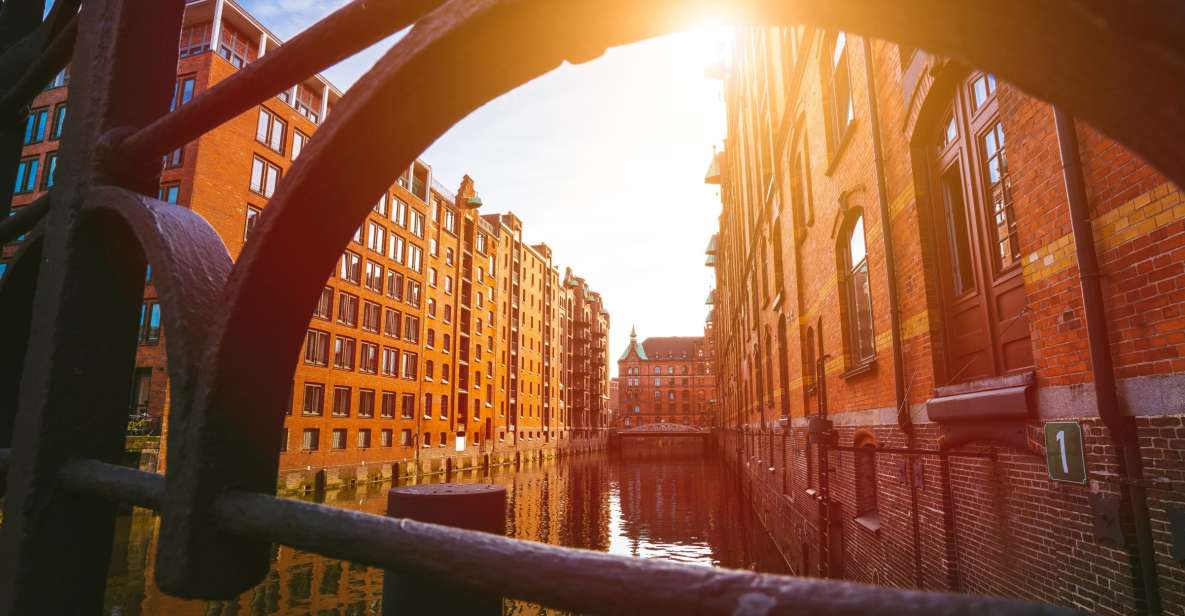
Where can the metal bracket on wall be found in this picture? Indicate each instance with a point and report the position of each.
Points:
(1105, 510)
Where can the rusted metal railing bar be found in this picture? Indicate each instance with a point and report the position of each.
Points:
(41, 71)
(115, 482)
(559, 577)
(572, 579)
(343, 33)
(23, 219)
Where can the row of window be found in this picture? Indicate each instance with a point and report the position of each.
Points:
(370, 358)
(38, 126)
(397, 211)
(343, 403)
(29, 169)
(379, 279)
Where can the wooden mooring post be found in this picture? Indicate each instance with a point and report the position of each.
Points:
(480, 507)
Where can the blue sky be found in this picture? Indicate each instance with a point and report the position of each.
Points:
(603, 161)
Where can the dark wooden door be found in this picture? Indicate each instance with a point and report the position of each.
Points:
(985, 319)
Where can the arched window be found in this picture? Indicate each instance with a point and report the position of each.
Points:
(867, 512)
(857, 294)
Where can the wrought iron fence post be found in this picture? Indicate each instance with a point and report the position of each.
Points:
(76, 381)
(472, 507)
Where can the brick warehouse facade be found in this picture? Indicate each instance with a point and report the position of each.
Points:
(901, 311)
(441, 340)
(666, 380)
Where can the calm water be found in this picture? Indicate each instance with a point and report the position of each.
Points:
(686, 511)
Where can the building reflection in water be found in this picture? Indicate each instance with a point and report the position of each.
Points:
(686, 511)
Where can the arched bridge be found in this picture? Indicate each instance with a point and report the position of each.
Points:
(661, 440)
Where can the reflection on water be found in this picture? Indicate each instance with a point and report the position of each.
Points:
(686, 511)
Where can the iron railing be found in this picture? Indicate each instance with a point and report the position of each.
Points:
(69, 302)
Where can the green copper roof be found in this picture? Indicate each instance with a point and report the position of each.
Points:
(635, 345)
(713, 174)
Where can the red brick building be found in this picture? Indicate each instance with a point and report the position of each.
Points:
(904, 325)
(411, 362)
(666, 380)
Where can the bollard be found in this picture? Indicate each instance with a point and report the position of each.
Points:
(480, 507)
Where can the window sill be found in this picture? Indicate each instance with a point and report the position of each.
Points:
(859, 369)
(870, 521)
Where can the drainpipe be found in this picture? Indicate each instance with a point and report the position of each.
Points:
(904, 420)
(1121, 427)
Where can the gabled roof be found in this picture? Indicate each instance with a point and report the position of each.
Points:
(672, 347)
(636, 347)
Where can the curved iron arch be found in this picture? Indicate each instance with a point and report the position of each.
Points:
(1090, 57)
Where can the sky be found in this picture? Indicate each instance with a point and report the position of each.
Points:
(602, 161)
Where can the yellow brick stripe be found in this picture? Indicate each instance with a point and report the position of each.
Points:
(1159, 207)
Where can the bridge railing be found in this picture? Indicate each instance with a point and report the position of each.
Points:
(69, 304)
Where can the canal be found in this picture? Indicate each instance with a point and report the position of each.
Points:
(683, 510)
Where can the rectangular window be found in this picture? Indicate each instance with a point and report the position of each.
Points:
(371, 316)
(59, 120)
(183, 91)
(339, 438)
(368, 361)
(427, 439)
(341, 401)
(26, 175)
(364, 438)
(405, 437)
(194, 40)
(411, 366)
(36, 125)
(415, 256)
(351, 268)
(51, 170)
(400, 213)
(270, 129)
(838, 92)
(169, 193)
(309, 441)
(316, 348)
(417, 224)
(392, 323)
(387, 410)
(347, 309)
(299, 140)
(390, 362)
(234, 47)
(413, 293)
(396, 248)
(387, 436)
(411, 328)
(407, 407)
(314, 399)
(173, 159)
(324, 309)
(343, 352)
(264, 177)
(253, 214)
(394, 285)
(376, 237)
(283, 439)
(374, 276)
(149, 323)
